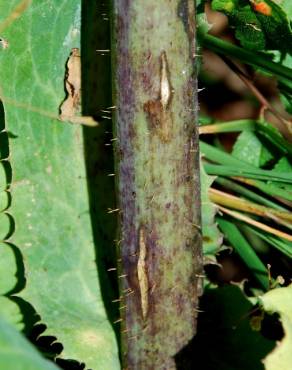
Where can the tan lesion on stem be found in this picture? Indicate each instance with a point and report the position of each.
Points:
(158, 111)
(142, 272)
(165, 85)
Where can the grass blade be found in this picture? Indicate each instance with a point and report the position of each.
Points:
(245, 251)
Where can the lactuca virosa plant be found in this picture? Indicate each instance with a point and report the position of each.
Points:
(59, 211)
(157, 174)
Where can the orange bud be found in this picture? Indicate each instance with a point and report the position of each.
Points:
(262, 8)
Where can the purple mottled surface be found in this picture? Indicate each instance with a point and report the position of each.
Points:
(157, 162)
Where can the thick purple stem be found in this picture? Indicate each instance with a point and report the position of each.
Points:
(155, 94)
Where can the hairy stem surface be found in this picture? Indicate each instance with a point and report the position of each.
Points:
(156, 146)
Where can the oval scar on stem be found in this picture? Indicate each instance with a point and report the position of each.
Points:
(142, 272)
(159, 115)
(165, 86)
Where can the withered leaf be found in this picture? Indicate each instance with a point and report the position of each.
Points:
(70, 109)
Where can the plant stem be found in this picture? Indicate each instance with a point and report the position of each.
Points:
(251, 221)
(285, 124)
(232, 185)
(228, 200)
(157, 172)
(230, 126)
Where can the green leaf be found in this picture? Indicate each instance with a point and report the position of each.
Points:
(231, 166)
(247, 27)
(10, 311)
(263, 129)
(8, 280)
(16, 353)
(287, 7)
(286, 90)
(4, 200)
(273, 136)
(280, 301)
(251, 173)
(226, 6)
(8, 268)
(283, 165)
(3, 182)
(249, 148)
(275, 24)
(259, 24)
(245, 251)
(212, 238)
(271, 188)
(5, 225)
(282, 245)
(203, 23)
(49, 189)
